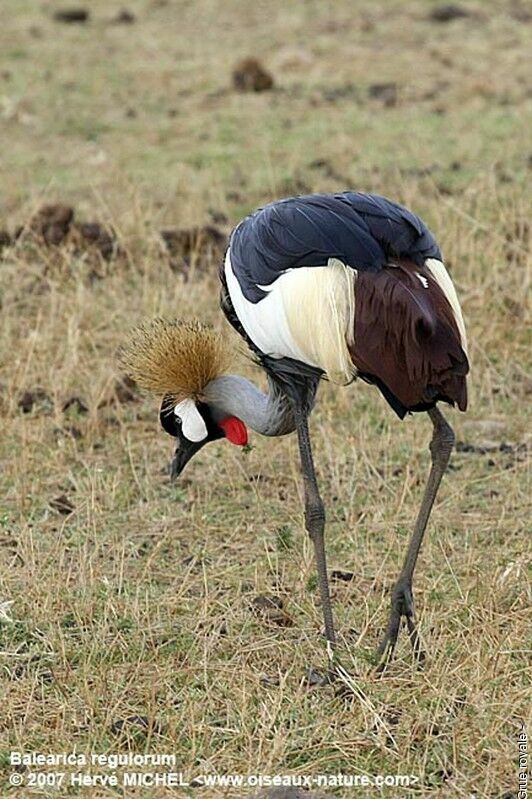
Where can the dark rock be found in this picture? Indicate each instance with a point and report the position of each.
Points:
(486, 447)
(270, 608)
(218, 217)
(418, 171)
(269, 682)
(35, 399)
(387, 93)
(133, 724)
(263, 602)
(52, 223)
(314, 678)
(68, 432)
(443, 774)
(126, 390)
(334, 93)
(32, 668)
(62, 505)
(250, 76)
(206, 239)
(124, 17)
(72, 15)
(198, 245)
(448, 12)
(521, 13)
(5, 240)
(75, 403)
(93, 235)
(194, 560)
(342, 576)
(327, 168)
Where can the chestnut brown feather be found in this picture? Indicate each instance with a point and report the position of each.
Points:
(175, 358)
(407, 337)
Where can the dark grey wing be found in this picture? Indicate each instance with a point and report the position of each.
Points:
(361, 230)
(400, 233)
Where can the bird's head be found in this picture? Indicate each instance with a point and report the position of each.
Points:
(178, 360)
(194, 424)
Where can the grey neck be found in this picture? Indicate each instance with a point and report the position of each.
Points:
(269, 414)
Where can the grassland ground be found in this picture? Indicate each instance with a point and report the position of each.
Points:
(132, 624)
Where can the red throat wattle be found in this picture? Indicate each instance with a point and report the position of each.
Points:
(235, 431)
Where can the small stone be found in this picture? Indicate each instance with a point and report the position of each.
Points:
(76, 404)
(263, 602)
(314, 678)
(132, 724)
(387, 93)
(35, 399)
(5, 240)
(250, 76)
(72, 15)
(62, 505)
(448, 12)
(126, 391)
(270, 608)
(124, 17)
(197, 246)
(269, 681)
(342, 576)
(52, 223)
(93, 235)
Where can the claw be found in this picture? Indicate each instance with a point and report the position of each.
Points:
(402, 605)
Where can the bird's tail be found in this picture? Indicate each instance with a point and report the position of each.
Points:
(409, 335)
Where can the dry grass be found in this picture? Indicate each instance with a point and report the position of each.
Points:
(139, 601)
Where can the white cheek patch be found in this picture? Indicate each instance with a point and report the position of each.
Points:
(192, 423)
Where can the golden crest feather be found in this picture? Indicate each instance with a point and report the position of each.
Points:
(174, 357)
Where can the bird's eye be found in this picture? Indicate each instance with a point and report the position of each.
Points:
(178, 419)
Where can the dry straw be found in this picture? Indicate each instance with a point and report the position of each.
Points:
(174, 357)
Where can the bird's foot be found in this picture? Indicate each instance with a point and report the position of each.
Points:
(402, 606)
(336, 675)
(317, 678)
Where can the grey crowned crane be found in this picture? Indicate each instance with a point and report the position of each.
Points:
(331, 286)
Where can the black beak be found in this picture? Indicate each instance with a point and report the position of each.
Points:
(185, 449)
(184, 452)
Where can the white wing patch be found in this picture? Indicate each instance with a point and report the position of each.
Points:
(192, 422)
(264, 321)
(307, 315)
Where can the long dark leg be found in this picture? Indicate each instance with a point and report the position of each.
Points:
(402, 604)
(315, 522)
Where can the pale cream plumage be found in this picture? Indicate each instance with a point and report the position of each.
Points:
(319, 304)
